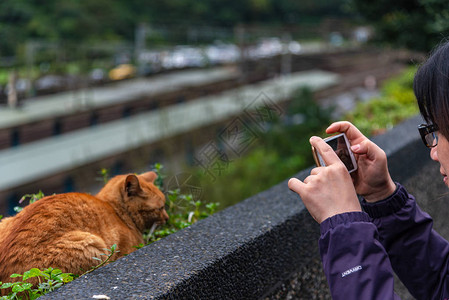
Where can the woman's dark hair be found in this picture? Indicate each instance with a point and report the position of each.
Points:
(431, 87)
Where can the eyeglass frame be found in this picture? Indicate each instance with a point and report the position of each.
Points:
(424, 130)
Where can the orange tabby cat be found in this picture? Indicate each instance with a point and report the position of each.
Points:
(65, 231)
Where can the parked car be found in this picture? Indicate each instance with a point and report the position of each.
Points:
(122, 71)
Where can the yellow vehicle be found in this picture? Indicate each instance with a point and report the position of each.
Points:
(122, 71)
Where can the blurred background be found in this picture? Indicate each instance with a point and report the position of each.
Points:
(219, 96)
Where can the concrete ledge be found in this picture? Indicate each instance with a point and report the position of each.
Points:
(263, 247)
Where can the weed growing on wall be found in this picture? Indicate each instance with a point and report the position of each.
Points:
(49, 280)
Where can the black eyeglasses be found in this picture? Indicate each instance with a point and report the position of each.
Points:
(428, 134)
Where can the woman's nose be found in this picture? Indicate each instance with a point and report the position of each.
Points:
(433, 153)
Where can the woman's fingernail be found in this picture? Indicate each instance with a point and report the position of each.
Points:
(355, 147)
(312, 138)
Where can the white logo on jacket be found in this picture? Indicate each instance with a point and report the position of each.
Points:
(350, 271)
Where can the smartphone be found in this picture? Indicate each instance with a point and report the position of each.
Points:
(340, 144)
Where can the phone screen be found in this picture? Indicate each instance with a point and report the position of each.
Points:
(339, 146)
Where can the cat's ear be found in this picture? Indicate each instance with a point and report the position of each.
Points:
(132, 186)
(149, 176)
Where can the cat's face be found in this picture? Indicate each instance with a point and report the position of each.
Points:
(150, 202)
(143, 201)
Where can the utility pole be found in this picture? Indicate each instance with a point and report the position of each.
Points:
(13, 100)
(286, 57)
(139, 42)
(239, 33)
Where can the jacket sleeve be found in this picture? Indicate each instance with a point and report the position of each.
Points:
(418, 255)
(355, 262)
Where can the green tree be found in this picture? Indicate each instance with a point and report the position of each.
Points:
(414, 24)
(63, 21)
(74, 21)
(13, 16)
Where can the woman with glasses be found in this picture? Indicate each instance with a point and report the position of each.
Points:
(360, 250)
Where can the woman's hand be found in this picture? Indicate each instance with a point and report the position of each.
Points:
(328, 190)
(372, 179)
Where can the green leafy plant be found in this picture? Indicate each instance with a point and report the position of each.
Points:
(31, 199)
(183, 211)
(48, 280)
(105, 176)
(159, 182)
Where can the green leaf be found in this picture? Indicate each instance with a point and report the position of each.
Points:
(34, 272)
(18, 288)
(27, 285)
(56, 272)
(66, 277)
(57, 285)
(141, 245)
(6, 285)
(9, 297)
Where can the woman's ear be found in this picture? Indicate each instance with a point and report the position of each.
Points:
(149, 176)
(132, 186)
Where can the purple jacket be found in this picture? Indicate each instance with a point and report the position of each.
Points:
(360, 251)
